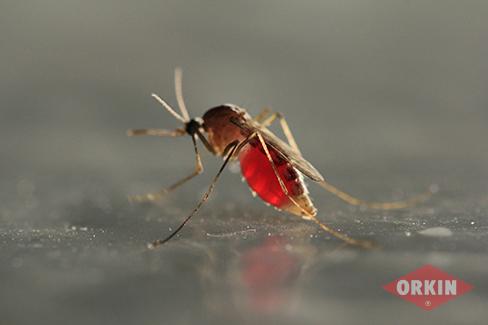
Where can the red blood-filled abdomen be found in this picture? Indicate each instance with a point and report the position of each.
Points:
(261, 178)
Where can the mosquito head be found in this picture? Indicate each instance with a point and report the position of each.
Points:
(193, 126)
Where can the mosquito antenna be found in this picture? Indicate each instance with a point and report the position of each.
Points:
(179, 93)
(378, 205)
(168, 108)
(204, 198)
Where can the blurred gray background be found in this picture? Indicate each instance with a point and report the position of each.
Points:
(385, 98)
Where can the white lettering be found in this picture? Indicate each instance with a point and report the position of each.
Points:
(402, 287)
(426, 287)
(416, 285)
(451, 287)
(429, 287)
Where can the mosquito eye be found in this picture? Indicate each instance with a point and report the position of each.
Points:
(192, 127)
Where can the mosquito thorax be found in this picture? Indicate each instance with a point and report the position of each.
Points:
(219, 127)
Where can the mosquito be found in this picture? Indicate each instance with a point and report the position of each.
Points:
(273, 169)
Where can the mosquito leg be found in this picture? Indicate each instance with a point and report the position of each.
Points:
(345, 238)
(233, 149)
(205, 142)
(149, 197)
(156, 132)
(284, 126)
(262, 115)
(378, 205)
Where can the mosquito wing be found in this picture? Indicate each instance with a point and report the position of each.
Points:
(295, 158)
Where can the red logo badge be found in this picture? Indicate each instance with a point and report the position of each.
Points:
(428, 287)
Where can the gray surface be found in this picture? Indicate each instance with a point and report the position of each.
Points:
(385, 98)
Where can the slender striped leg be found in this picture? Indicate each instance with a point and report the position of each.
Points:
(149, 197)
(284, 126)
(262, 115)
(156, 132)
(412, 201)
